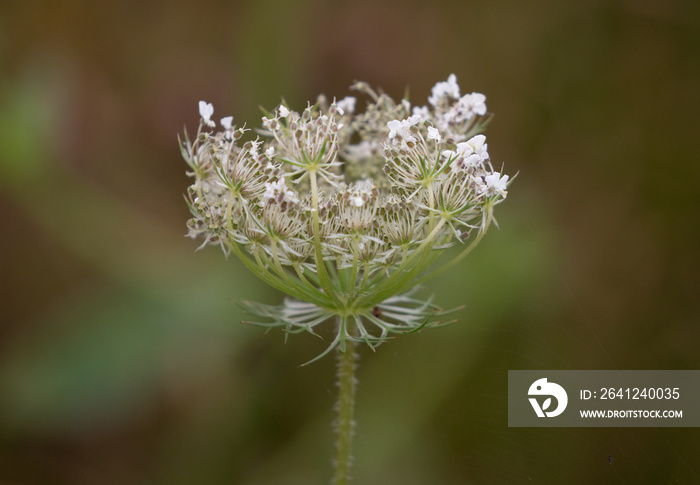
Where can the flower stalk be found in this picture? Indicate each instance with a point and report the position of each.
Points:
(345, 425)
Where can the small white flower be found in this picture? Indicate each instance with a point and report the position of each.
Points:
(476, 103)
(283, 111)
(473, 151)
(445, 88)
(448, 154)
(402, 128)
(497, 184)
(394, 127)
(422, 111)
(412, 120)
(405, 139)
(205, 111)
(270, 152)
(273, 189)
(346, 105)
(227, 122)
(434, 134)
(270, 124)
(477, 143)
(254, 148)
(290, 197)
(356, 201)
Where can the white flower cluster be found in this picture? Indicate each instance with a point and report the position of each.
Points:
(346, 210)
(450, 109)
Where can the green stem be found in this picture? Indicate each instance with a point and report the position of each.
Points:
(320, 263)
(304, 287)
(346, 404)
(398, 277)
(460, 256)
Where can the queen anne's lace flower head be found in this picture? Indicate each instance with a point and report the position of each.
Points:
(345, 210)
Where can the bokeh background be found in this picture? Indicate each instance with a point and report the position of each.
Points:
(122, 360)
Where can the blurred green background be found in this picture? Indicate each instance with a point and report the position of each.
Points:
(122, 360)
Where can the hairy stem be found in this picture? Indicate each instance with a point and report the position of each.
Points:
(346, 404)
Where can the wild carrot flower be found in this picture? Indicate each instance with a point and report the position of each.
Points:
(346, 212)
